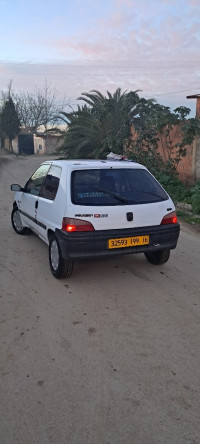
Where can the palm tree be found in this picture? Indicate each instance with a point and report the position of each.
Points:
(101, 125)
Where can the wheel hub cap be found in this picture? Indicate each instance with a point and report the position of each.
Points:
(17, 221)
(54, 255)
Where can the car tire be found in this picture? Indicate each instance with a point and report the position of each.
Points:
(60, 267)
(158, 257)
(17, 222)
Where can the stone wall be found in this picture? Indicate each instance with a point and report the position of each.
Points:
(189, 166)
(197, 160)
(186, 165)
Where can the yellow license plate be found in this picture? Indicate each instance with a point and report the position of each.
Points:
(128, 241)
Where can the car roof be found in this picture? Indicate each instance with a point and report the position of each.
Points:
(94, 163)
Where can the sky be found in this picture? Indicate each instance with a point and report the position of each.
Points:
(76, 46)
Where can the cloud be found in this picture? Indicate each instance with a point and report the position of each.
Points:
(132, 32)
(153, 46)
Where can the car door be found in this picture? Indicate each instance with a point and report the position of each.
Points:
(48, 212)
(29, 197)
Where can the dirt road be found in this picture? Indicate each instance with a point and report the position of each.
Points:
(110, 356)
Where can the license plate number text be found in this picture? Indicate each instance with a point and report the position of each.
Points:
(128, 242)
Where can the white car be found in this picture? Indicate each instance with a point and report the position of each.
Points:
(92, 208)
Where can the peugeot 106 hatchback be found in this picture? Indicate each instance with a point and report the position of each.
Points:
(93, 208)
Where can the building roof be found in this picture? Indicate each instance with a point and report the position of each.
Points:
(194, 96)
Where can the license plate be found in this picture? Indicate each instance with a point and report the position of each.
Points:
(128, 242)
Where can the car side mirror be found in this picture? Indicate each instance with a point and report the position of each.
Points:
(16, 187)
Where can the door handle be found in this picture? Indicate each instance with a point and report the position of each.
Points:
(36, 204)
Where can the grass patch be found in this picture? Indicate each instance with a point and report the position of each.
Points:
(180, 192)
(189, 218)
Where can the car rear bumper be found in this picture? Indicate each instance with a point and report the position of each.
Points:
(79, 245)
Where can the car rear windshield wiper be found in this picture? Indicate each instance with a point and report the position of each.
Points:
(110, 193)
(153, 194)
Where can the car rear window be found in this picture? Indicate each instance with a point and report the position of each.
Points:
(103, 187)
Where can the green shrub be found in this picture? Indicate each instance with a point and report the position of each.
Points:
(189, 218)
(196, 203)
(168, 178)
(174, 187)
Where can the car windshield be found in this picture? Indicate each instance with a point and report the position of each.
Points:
(121, 186)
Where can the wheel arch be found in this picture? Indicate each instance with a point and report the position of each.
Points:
(50, 233)
(15, 204)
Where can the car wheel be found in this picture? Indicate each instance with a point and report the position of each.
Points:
(158, 257)
(17, 222)
(60, 267)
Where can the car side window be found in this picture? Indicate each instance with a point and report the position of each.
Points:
(34, 184)
(51, 183)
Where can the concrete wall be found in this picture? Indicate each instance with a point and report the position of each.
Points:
(42, 144)
(15, 145)
(4, 143)
(52, 143)
(46, 144)
(39, 145)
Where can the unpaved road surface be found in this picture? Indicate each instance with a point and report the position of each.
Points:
(109, 356)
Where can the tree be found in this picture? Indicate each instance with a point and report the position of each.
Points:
(156, 126)
(143, 130)
(101, 125)
(38, 108)
(5, 95)
(84, 135)
(9, 121)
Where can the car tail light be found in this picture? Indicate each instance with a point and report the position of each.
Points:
(69, 225)
(170, 218)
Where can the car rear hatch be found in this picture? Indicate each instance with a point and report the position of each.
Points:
(116, 210)
(118, 198)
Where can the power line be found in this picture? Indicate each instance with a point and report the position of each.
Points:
(175, 92)
(99, 60)
(100, 72)
(95, 63)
